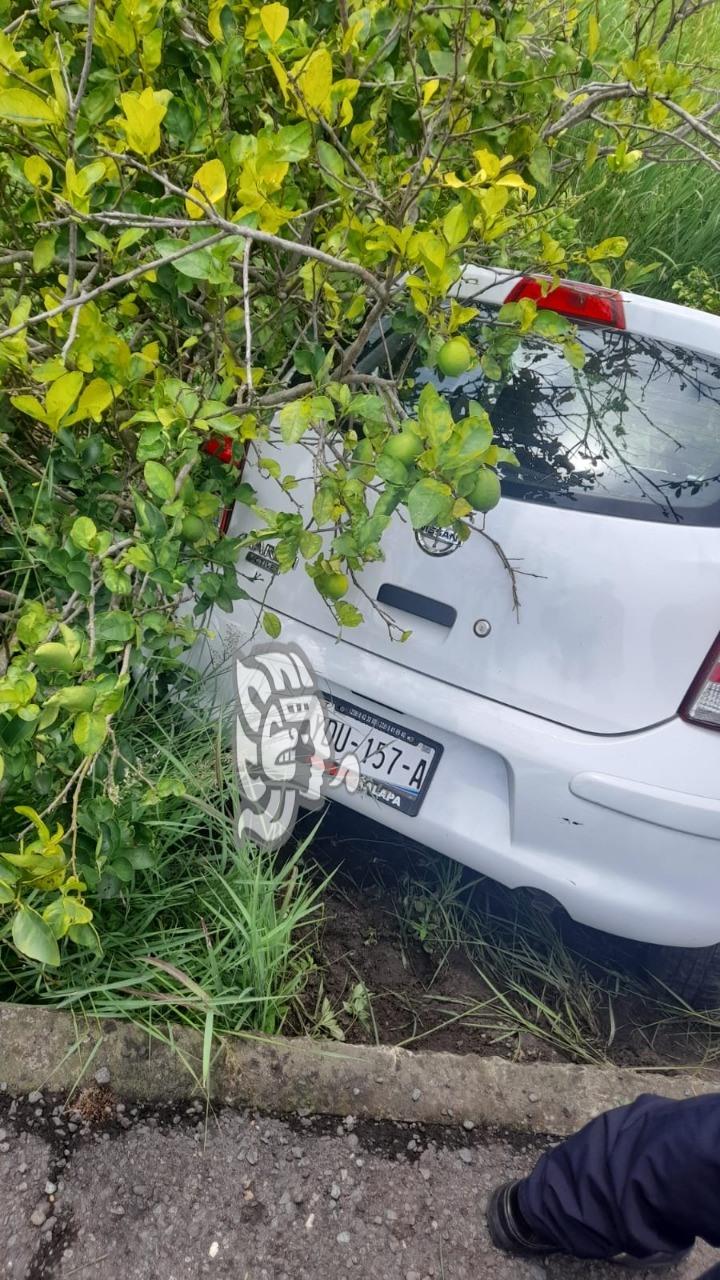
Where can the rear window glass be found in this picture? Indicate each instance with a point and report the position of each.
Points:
(635, 432)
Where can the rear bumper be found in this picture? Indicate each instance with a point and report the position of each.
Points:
(624, 831)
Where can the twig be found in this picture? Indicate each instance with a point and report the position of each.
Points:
(76, 101)
(593, 96)
(55, 804)
(91, 616)
(248, 322)
(100, 289)
(73, 829)
(693, 121)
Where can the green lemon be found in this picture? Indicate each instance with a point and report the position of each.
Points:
(193, 528)
(334, 585)
(455, 357)
(404, 447)
(485, 493)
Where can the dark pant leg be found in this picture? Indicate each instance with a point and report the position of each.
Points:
(640, 1180)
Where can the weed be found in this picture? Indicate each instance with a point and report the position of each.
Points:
(216, 934)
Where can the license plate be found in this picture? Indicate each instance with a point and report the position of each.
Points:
(396, 764)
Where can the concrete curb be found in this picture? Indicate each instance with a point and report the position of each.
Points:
(44, 1049)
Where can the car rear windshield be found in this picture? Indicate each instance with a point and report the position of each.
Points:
(635, 432)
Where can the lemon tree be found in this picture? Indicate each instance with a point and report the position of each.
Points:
(207, 210)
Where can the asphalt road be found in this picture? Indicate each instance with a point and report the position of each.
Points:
(117, 1193)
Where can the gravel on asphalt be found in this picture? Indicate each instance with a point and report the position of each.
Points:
(104, 1189)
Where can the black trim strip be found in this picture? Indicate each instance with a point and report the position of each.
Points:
(422, 606)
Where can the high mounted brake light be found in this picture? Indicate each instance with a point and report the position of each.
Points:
(702, 704)
(588, 302)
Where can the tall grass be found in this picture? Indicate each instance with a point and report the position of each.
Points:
(670, 212)
(216, 933)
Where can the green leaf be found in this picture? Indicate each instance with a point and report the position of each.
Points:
(151, 444)
(272, 624)
(38, 172)
(62, 396)
(456, 225)
(540, 166)
(391, 469)
(198, 265)
(429, 501)
(159, 480)
(130, 237)
(550, 324)
(310, 544)
(348, 615)
(43, 252)
(434, 416)
(294, 420)
(593, 35)
(117, 581)
(574, 354)
(601, 273)
(53, 657)
(110, 694)
(114, 628)
(84, 533)
(613, 247)
(141, 859)
(89, 732)
(21, 106)
(331, 159)
(292, 142)
(93, 402)
(491, 367)
(151, 521)
(274, 18)
(29, 405)
(77, 697)
(85, 935)
(33, 937)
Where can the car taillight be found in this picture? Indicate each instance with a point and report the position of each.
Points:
(221, 448)
(588, 302)
(702, 704)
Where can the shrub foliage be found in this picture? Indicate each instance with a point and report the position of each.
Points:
(206, 209)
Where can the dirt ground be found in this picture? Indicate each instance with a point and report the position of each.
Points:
(113, 1192)
(430, 997)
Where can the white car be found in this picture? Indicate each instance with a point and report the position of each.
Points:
(555, 727)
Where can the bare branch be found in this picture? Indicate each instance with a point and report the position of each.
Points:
(248, 322)
(593, 96)
(108, 285)
(76, 100)
(695, 122)
(234, 229)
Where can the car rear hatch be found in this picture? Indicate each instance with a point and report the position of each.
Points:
(589, 596)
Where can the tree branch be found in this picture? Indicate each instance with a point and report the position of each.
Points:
(80, 299)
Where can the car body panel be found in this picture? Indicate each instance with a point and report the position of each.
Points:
(501, 800)
(549, 656)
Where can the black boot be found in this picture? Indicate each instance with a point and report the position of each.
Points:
(509, 1232)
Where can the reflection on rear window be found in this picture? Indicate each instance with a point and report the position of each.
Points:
(636, 432)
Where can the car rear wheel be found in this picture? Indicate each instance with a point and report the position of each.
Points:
(693, 974)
